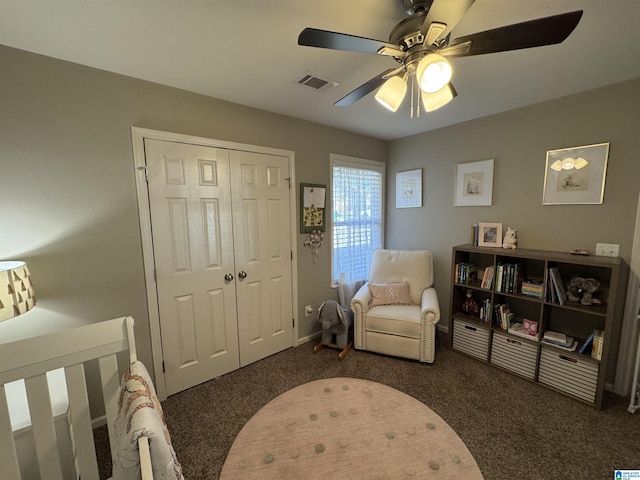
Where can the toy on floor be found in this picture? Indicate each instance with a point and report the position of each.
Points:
(335, 321)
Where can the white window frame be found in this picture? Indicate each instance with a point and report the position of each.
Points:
(354, 162)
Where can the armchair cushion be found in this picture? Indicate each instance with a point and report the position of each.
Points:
(411, 267)
(389, 294)
(403, 320)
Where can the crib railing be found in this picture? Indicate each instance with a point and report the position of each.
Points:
(30, 359)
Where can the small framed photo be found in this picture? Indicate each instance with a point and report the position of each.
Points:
(490, 234)
(575, 175)
(409, 189)
(474, 184)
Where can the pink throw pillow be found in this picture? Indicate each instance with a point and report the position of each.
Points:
(389, 294)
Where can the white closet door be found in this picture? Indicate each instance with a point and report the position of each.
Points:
(261, 226)
(189, 196)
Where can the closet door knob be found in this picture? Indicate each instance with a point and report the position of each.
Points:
(228, 277)
(242, 274)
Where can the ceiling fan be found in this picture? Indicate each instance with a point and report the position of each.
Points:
(421, 44)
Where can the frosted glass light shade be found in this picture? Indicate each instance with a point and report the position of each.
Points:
(433, 101)
(16, 290)
(391, 94)
(433, 73)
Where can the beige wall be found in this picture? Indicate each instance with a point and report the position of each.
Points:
(68, 202)
(518, 141)
(67, 182)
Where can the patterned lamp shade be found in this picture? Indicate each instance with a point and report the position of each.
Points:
(16, 290)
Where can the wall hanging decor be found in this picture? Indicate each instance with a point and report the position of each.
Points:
(474, 184)
(409, 189)
(312, 211)
(575, 175)
(314, 242)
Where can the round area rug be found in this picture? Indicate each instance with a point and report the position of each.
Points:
(347, 428)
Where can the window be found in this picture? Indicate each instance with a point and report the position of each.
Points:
(357, 196)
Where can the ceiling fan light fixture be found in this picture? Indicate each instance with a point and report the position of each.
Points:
(557, 165)
(433, 73)
(392, 92)
(433, 101)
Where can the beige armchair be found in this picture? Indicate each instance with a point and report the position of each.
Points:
(396, 311)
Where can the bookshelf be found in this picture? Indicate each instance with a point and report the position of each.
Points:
(493, 289)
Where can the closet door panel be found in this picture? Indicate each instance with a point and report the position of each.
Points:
(260, 198)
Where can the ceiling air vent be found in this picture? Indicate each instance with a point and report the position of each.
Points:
(311, 80)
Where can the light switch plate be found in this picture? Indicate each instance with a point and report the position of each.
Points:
(607, 249)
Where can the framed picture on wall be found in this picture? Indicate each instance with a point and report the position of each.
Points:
(312, 211)
(409, 189)
(575, 175)
(474, 184)
(490, 234)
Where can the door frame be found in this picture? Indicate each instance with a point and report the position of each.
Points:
(138, 135)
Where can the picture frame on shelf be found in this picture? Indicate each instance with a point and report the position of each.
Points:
(409, 189)
(474, 184)
(575, 175)
(490, 234)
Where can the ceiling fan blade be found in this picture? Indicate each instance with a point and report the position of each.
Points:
(313, 37)
(364, 89)
(534, 33)
(443, 15)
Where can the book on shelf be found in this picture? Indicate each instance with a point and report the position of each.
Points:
(487, 277)
(509, 277)
(530, 327)
(550, 293)
(474, 235)
(588, 342)
(532, 288)
(519, 330)
(485, 311)
(559, 287)
(557, 338)
(466, 273)
(504, 316)
(598, 345)
(570, 347)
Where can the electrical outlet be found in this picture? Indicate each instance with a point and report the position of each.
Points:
(607, 249)
(308, 311)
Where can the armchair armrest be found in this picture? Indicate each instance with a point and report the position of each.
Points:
(430, 309)
(361, 299)
(360, 306)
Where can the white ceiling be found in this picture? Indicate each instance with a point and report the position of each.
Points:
(246, 52)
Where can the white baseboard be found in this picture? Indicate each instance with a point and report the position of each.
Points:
(99, 421)
(309, 338)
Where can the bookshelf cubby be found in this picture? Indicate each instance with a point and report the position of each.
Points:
(485, 335)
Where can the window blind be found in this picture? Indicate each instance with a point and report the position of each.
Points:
(357, 207)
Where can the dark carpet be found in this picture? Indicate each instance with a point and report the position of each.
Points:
(514, 428)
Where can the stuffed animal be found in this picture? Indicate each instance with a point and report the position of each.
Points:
(470, 305)
(510, 239)
(581, 290)
(335, 321)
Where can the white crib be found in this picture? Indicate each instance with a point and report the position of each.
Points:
(30, 359)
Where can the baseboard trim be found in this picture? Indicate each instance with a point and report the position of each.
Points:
(99, 421)
(309, 338)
